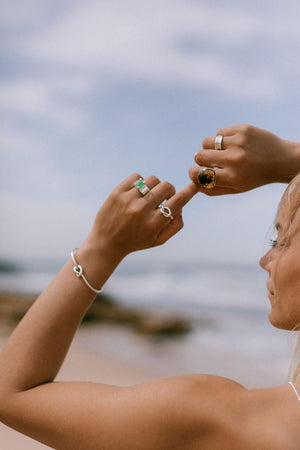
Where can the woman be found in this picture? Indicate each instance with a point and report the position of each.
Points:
(184, 412)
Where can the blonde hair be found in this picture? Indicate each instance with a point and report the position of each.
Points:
(294, 371)
(292, 197)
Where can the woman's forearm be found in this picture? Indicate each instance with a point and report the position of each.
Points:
(35, 351)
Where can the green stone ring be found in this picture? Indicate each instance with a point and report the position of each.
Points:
(207, 178)
(141, 186)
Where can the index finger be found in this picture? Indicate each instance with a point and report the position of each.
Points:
(127, 184)
(181, 198)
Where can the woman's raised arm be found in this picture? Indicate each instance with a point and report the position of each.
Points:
(82, 415)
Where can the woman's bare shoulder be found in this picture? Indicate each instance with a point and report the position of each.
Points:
(189, 392)
(185, 410)
(198, 387)
(216, 412)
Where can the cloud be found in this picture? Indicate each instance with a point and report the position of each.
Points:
(155, 44)
(15, 144)
(14, 15)
(55, 100)
(82, 95)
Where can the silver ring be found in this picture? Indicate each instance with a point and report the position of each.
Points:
(219, 142)
(141, 186)
(166, 212)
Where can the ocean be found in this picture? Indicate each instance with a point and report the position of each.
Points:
(228, 308)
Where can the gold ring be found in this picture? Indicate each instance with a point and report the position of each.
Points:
(207, 177)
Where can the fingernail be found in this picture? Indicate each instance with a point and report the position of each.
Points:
(195, 155)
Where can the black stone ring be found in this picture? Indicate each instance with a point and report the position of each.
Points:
(207, 178)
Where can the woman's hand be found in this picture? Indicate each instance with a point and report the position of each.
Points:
(251, 157)
(129, 221)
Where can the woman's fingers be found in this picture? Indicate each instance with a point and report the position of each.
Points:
(233, 130)
(228, 134)
(169, 224)
(222, 177)
(167, 232)
(208, 143)
(150, 181)
(210, 158)
(134, 220)
(217, 191)
(249, 157)
(174, 206)
(128, 183)
(179, 200)
(159, 193)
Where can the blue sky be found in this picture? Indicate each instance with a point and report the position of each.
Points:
(93, 91)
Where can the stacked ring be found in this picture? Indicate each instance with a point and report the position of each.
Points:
(219, 142)
(141, 186)
(166, 212)
(207, 177)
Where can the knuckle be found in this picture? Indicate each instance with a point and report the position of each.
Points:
(113, 195)
(241, 139)
(165, 184)
(207, 192)
(117, 197)
(134, 209)
(238, 158)
(198, 157)
(246, 130)
(154, 179)
(122, 199)
(136, 175)
(172, 190)
(203, 157)
(149, 197)
(180, 200)
(206, 142)
(168, 187)
(193, 174)
(231, 179)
